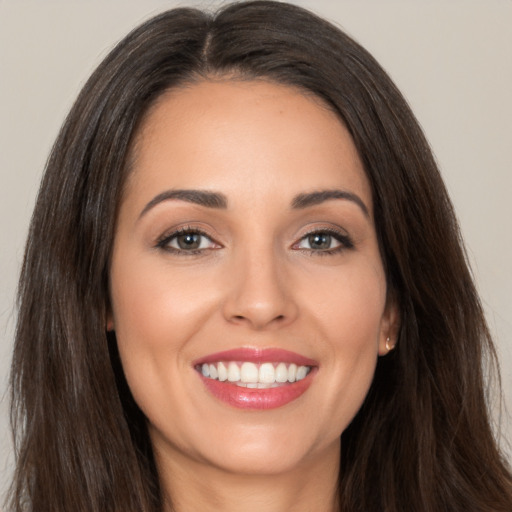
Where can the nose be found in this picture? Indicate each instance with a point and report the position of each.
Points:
(259, 294)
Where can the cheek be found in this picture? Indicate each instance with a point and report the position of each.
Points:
(154, 305)
(348, 316)
(349, 304)
(156, 313)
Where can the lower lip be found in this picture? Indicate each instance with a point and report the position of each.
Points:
(257, 399)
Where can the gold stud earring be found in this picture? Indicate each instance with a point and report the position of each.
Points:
(389, 347)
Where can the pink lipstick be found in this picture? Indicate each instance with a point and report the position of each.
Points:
(255, 378)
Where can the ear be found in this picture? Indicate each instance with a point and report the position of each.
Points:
(390, 327)
(109, 318)
(110, 323)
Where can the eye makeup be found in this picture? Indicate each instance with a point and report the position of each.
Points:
(190, 240)
(187, 241)
(328, 241)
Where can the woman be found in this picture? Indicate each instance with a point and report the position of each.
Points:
(244, 287)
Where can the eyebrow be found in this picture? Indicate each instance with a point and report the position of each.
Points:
(219, 201)
(314, 198)
(200, 197)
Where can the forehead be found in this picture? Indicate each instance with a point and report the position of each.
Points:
(232, 135)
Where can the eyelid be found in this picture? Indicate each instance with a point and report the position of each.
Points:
(344, 239)
(164, 240)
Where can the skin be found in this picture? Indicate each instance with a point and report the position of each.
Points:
(255, 282)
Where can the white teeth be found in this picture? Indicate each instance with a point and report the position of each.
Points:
(213, 371)
(292, 373)
(281, 373)
(267, 373)
(222, 371)
(251, 375)
(233, 372)
(302, 371)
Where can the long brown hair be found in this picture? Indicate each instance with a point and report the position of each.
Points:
(422, 439)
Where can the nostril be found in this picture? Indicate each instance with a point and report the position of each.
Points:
(242, 318)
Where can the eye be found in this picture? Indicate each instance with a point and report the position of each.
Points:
(320, 241)
(324, 241)
(187, 240)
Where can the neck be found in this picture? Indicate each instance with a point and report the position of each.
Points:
(191, 485)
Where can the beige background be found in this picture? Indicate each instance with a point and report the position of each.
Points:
(451, 58)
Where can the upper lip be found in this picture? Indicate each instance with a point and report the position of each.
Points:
(257, 355)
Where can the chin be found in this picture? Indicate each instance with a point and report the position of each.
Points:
(264, 457)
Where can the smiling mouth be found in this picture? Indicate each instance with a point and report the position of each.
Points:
(254, 375)
(251, 378)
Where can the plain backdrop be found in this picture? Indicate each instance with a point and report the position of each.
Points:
(452, 59)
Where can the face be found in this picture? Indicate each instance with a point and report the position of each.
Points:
(248, 293)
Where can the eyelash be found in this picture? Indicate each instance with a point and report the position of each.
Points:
(344, 240)
(165, 240)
